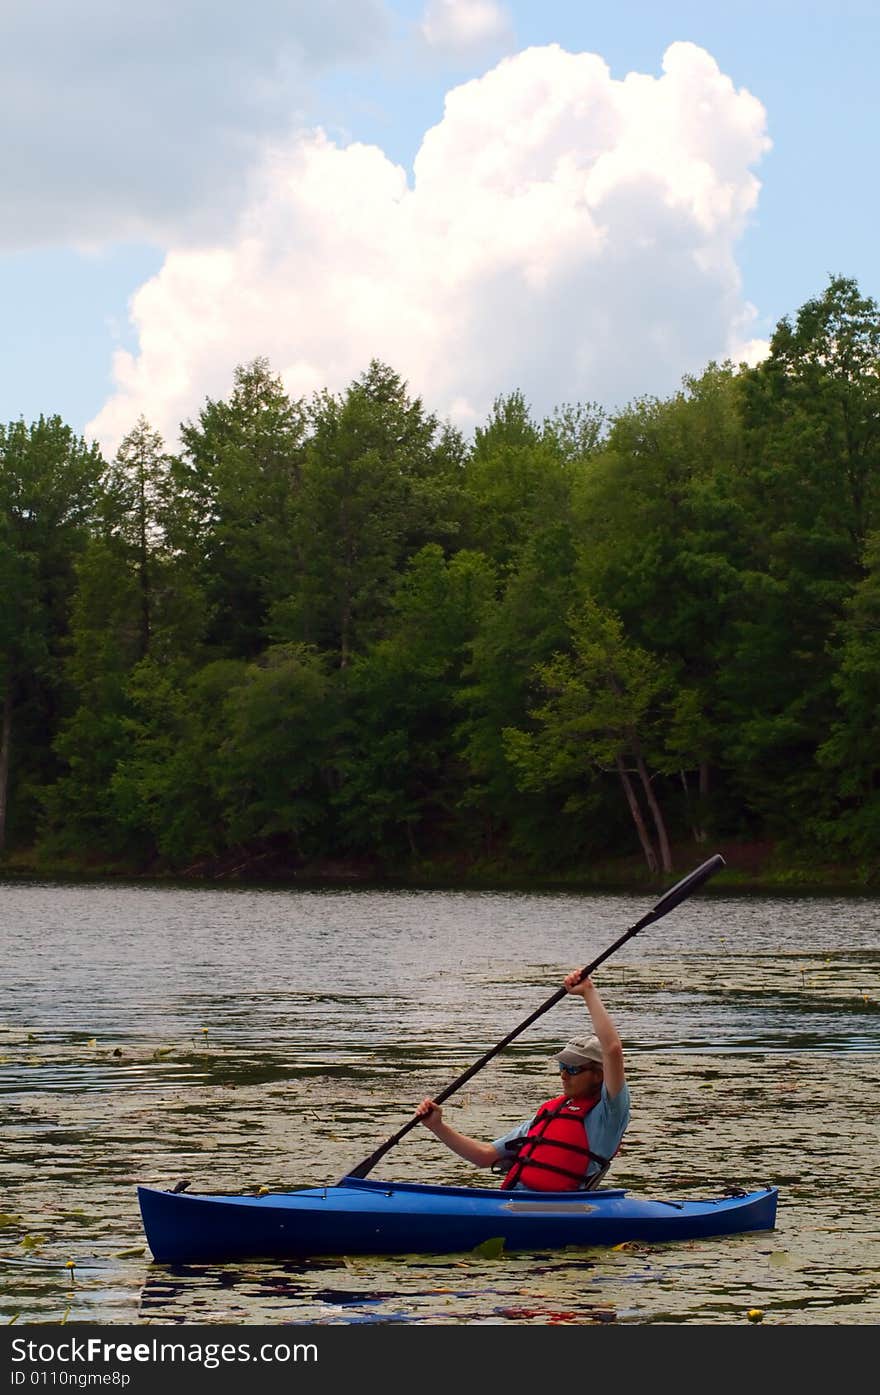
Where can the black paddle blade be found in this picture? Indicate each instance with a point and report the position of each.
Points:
(678, 893)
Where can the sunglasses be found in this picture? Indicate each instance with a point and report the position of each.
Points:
(573, 1070)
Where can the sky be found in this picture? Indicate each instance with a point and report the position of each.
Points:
(580, 201)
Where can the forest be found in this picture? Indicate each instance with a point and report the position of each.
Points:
(334, 636)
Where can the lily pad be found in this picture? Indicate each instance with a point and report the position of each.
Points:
(781, 1259)
(490, 1249)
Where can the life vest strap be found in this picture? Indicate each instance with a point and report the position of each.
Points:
(551, 1167)
(557, 1143)
(517, 1148)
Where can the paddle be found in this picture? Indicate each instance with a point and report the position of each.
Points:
(673, 897)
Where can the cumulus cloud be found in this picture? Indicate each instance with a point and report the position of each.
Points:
(140, 121)
(564, 232)
(459, 26)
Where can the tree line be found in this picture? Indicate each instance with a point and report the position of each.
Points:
(336, 629)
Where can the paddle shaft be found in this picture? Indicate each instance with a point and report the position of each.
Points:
(673, 897)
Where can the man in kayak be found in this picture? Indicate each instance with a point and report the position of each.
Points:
(569, 1143)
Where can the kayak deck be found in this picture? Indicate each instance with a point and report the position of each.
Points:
(362, 1216)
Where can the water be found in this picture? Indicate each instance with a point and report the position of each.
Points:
(248, 1037)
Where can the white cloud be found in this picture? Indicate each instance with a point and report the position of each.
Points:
(565, 233)
(749, 351)
(456, 26)
(140, 121)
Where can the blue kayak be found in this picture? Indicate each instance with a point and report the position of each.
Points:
(361, 1216)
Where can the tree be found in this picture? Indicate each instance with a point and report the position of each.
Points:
(280, 724)
(518, 476)
(165, 787)
(49, 480)
(137, 499)
(813, 422)
(600, 711)
(576, 430)
(378, 482)
(517, 630)
(21, 645)
(103, 646)
(236, 485)
(135, 595)
(401, 775)
(810, 490)
(663, 530)
(850, 756)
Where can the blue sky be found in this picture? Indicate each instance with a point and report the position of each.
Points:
(179, 153)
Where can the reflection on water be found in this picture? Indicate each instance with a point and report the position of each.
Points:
(251, 1038)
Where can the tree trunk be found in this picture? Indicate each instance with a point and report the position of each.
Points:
(704, 779)
(698, 832)
(632, 801)
(659, 824)
(144, 579)
(410, 838)
(344, 629)
(5, 744)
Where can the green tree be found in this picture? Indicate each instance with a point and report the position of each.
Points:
(236, 485)
(663, 531)
(134, 595)
(137, 498)
(49, 480)
(378, 483)
(401, 776)
(518, 476)
(165, 788)
(280, 725)
(809, 488)
(521, 628)
(601, 711)
(22, 644)
(850, 757)
(103, 646)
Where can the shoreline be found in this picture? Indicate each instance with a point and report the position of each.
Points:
(747, 871)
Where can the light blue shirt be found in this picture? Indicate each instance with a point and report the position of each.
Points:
(605, 1126)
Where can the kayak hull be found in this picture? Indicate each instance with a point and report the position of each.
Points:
(361, 1216)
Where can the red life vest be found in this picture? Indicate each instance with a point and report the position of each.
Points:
(555, 1153)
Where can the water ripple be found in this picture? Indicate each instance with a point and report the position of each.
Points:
(250, 1037)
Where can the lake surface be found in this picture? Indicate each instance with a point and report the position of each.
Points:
(272, 1037)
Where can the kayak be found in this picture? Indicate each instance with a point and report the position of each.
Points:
(362, 1216)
